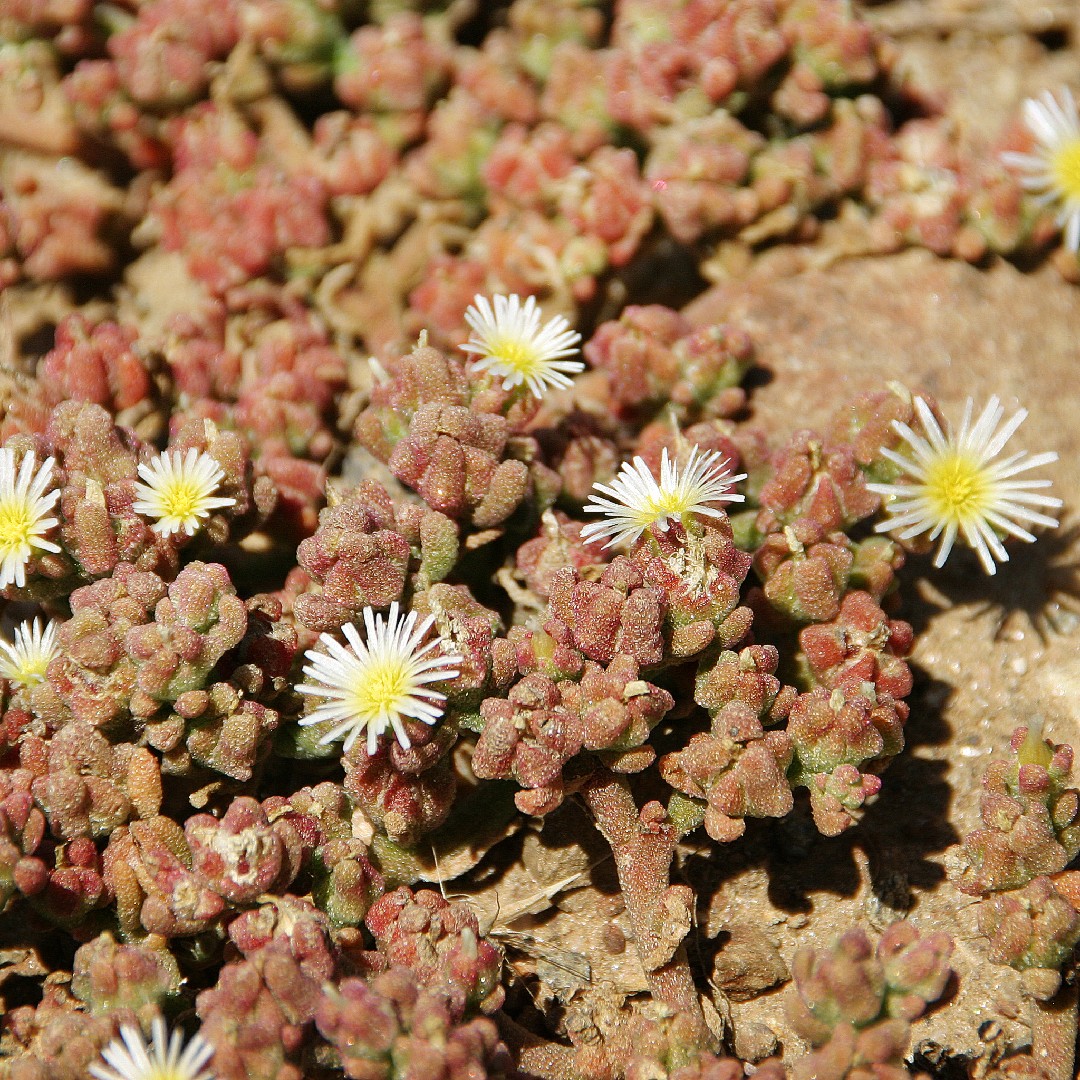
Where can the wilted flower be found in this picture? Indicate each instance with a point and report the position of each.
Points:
(179, 491)
(166, 1057)
(1053, 170)
(23, 506)
(513, 346)
(956, 486)
(24, 662)
(379, 683)
(637, 501)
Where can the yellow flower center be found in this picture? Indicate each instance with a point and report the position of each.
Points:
(181, 499)
(384, 686)
(517, 355)
(31, 671)
(658, 507)
(16, 527)
(163, 1072)
(1065, 165)
(670, 502)
(957, 488)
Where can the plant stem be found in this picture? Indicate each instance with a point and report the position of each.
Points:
(661, 914)
(536, 1057)
(1054, 1034)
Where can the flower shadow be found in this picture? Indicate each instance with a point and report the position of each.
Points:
(1038, 589)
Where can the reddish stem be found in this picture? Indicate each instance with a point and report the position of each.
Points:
(536, 1057)
(1054, 1032)
(661, 914)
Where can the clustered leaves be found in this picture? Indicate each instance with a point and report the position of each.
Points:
(854, 1004)
(202, 853)
(173, 681)
(1016, 861)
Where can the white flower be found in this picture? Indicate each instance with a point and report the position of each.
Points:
(376, 685)
(179, 491)
(962, 486)
(133, 1059)
(513, 346)
(637, 501)
(1053, 170)
(24, 663)
(23, 506)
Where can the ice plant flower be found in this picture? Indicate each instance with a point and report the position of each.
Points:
(179, 491)
(962, 486)
(1053, 170)
(513, 346)
(24, 662)
(636, 501)
(23, 506)
(376, 684)
(165, 1058)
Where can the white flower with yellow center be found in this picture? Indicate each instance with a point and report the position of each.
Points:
(962, 486)
(165, 1058)
(380, 682)
(24, 662)
(179, 491)
(636, 501)
(23, 506)
(1053, 170)
(513, 346)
